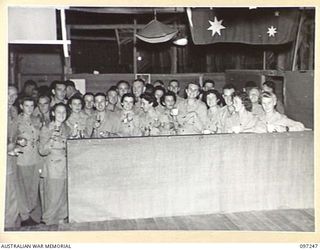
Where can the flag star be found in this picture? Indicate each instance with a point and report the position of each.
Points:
(272, 31)
(216, 26)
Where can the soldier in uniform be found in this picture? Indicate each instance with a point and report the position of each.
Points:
(270, 86)
(228, 110)
(254, 95)
(58, 89)
(53, 138)
(112, 97)
(26, 130)
(123, 87)
(174, 86)
(43, 109)
(88, 104)
(273, 121)
(104, 120)
(11, 203)
(138, 87)
(192, 113)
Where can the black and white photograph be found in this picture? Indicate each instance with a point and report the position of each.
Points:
(160, 119)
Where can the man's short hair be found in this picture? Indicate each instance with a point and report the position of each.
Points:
(270, 84)
(128, 95)
(55, 83)
(30, 83)
(24, 99)
(44, 96)
(193, 83)
(174, 80)
(87, 94)
(112, 88)
(122, 81)
(139, 80)
(70, 83)
(209, 81)
(100, 94)
(229, 86)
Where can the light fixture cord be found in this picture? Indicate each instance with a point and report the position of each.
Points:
(155, 14)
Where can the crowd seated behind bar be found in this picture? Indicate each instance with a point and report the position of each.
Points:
(40, 120)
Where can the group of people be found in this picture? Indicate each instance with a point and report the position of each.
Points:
(41, 120)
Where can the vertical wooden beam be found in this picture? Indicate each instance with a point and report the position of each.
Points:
(297, 43)
(119, 45)
(208, 62)
(64, 32)
(311, 47)
(174, 61)
(12, 68)
(264, 60)
(67, 69)
(135, 46)
(281, 61)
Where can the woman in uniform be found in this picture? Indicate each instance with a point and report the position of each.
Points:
(242, 120)
(53, 140)
(127, 120)
(212, 99)
(79, 122)
(149, 118)
(168, 117)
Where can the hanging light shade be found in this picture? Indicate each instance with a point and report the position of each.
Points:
(156, 32)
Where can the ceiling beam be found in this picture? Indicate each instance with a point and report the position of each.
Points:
(129, 10)
(110, 26)
(93, 38)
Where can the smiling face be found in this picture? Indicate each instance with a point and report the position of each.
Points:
(128, 103)
(137, 88)
(89, 101)
(169, 102)
(158, 94)
(212, 100)
(100, 103)
(227, 95)
(60, 114)
(113, 97)
(192, 91)
(174, 87)
(123, 88)
(254, 95)
(268, 104)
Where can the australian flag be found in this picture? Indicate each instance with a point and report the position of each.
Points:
(258, 26)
